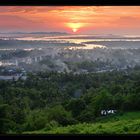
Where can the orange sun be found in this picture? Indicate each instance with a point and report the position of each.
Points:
(75, 26)
(74, 30)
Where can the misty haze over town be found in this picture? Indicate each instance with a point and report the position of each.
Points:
(56, 51)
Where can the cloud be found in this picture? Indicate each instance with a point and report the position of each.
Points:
(56, 17)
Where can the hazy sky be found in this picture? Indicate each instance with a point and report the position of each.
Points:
(78, 19)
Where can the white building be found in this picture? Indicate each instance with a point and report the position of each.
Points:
(106, 112)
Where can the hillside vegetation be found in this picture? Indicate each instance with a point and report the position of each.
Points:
(71, 103)
(127, 123)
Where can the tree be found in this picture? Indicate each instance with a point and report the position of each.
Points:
(76, 106)
(35, 120)
(60, 115)
(103, 101)
(4, 118)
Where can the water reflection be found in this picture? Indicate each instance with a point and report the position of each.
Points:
(87, 47)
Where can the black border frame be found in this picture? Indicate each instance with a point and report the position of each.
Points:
(69, 2)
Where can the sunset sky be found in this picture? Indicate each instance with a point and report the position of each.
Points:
(78, 19)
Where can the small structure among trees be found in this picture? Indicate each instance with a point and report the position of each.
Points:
(106, 112)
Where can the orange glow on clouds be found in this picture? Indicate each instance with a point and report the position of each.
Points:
(83, 19)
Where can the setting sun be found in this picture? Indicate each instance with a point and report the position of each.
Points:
(75, 26)
(74, 30)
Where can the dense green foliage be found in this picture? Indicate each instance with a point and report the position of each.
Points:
(126, 123)
(51, 99)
